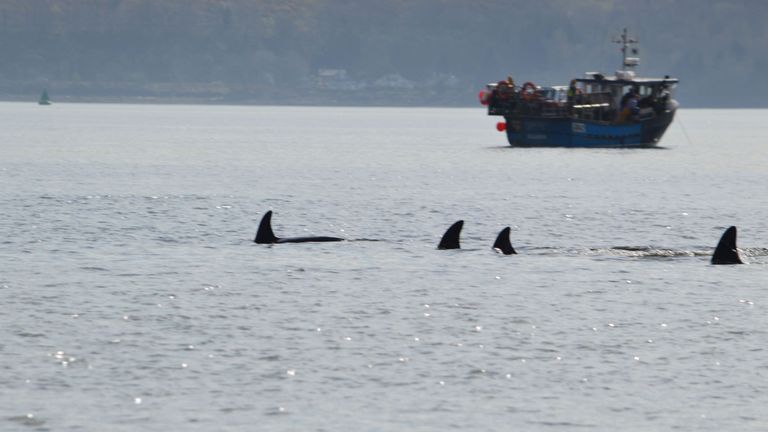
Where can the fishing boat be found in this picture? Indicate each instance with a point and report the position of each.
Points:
(44, 99)
(597, 110)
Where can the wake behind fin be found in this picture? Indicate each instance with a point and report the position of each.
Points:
(726, 252)
(450, 239)
(265, 235)
(502, 243)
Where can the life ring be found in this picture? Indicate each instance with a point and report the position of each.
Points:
(528, 91)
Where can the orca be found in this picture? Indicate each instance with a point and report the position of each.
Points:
(450, 239)
(502, 243)
(265, 235)
(726, 252)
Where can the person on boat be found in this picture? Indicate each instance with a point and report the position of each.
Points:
(663, 93)
(630, 105)
(511, 82)
(573, 92)
(660, 98)
(505, 91)
(632, 93)
(506, 84)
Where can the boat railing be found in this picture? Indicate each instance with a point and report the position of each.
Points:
(646, 114)
(593, 98)
(594, 106)
(506, 101)
(598, 112)
(554, 109)
(502, 100)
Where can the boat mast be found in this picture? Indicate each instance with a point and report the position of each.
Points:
(625, 40)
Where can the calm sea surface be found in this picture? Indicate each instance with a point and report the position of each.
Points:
(134, 299)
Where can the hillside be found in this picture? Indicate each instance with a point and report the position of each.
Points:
(426, 52)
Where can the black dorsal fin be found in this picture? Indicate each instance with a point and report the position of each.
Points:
(502, 243)
(725, 252)
(265, 235)
(450, 239)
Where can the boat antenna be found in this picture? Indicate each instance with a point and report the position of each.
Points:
(628, 61)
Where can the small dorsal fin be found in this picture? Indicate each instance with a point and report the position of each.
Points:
(725, 252)
(450, 239)
(502, 243)
(265, 235)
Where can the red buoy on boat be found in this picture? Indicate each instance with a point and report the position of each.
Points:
(501, 126)
(483, 97)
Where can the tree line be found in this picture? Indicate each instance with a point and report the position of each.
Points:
(444, 50)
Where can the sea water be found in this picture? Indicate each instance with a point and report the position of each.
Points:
(133, 297)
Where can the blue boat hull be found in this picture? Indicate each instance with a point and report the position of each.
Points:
(569, 132)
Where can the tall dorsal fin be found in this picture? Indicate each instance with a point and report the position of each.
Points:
(725, 252)
(265, 235)
(503, 244)
(450, 239)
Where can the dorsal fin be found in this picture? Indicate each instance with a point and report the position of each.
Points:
(503, 244)
(725, 252)
(265, 235)
(450, 239)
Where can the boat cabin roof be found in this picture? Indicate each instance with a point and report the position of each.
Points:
(600, 78)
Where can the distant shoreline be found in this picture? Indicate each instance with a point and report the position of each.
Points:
(224, 94)
(137, 100)
(156, 100)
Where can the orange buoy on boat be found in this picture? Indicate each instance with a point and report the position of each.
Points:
(483, 97)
